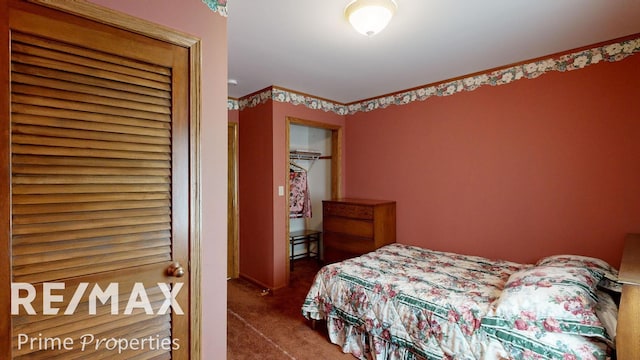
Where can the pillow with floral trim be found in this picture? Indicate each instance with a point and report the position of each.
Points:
(610, 274)
(554, 299)
(549, 345)
(529, 343)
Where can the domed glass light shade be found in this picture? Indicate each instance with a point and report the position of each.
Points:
(369, 17)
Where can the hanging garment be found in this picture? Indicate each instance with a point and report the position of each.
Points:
(299, 199)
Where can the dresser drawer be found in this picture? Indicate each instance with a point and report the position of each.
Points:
(347, 244)
(348, 210)
(332, 255)
(360, 228)
(352, 227)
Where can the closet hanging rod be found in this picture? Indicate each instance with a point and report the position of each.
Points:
(304, 155)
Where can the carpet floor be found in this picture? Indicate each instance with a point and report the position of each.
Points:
(271, 326)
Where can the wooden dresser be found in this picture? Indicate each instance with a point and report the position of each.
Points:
(352, 227)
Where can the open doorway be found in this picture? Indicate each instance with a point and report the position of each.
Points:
(314, 157)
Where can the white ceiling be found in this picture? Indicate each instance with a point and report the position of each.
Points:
(309, 47)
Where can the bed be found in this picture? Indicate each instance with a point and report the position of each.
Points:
(405, 302)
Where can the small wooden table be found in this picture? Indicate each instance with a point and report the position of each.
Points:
(306, 237)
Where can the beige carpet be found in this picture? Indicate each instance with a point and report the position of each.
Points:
(272, 326)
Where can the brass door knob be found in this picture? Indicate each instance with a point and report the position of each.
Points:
(175, 270)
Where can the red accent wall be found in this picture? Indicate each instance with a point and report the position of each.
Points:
(519, 171)
(255, 201)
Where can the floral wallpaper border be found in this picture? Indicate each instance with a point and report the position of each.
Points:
(219, 6)
(578, 60)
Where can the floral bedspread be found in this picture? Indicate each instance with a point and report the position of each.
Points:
(404, 302)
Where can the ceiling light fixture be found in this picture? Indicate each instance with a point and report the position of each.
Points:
(369, 17)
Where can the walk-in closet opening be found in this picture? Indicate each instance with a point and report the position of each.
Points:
(314, 173)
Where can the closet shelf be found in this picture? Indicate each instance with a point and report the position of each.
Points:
(304, 155)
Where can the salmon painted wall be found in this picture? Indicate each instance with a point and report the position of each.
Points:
(518, 171)
(194, 17)
(233, 116)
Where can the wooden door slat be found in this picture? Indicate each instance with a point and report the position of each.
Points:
(104, 326)
(87, 70)
(56, 274)
(142, 92)
(35, 263)
(88, 144)
(89, 188)
(63, 47)
(80, 170)
(71, 56)
(64, 199)
(47, 150)
(80, 97)
(61, 161)
(91, 117)
(80, 179)
(89, 207)
(88, 215)
(92, 108)
(157, 135)
(87, 234)
(47, 131)
(60, 83)
(31, 248)
(33, 322)
(51, 227)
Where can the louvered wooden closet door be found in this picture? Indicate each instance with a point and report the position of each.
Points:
(99, 176)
